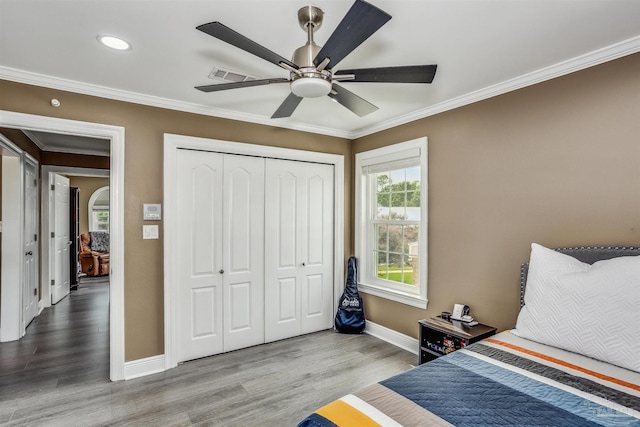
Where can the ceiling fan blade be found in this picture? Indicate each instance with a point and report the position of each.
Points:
(360, 22)
(287, 107)
(236, 85)
(352, 101)
(226, 34)
(408, 74)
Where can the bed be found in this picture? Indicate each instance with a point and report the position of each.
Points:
(572, 360)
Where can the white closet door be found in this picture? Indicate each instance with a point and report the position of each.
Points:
(243, 255)
(220, 253)
(298, 248)
(316, 299)
(199, 254)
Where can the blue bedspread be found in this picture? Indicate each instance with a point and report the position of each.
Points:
(501, 381)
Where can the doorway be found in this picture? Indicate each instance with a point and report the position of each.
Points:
(115, 135)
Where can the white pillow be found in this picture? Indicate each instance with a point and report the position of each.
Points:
(593, 310)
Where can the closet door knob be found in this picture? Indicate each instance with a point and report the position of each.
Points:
(221, 271)
(304, 264)
(29, 253)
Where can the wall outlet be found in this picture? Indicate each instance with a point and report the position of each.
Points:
(150, 232)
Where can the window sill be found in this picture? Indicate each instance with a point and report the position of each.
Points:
(394, 295)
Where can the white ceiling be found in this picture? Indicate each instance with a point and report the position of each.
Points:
(482, 48)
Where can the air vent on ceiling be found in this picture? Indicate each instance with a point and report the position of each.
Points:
(229, 76)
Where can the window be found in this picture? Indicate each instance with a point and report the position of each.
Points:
(99, 210)
(391, 222)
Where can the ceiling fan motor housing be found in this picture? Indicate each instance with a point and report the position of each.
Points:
(308, 81)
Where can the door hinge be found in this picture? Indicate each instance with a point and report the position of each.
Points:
(53, 234)
(35, 237)
(53, 187)
(35, 182)
(53, 282)
(35, 291)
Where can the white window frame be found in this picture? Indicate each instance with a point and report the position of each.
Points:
(394, 154)
(93, 226)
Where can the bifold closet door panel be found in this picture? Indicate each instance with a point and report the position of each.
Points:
(298, 248)
(243, 251)
(199, 254)
(316, 297)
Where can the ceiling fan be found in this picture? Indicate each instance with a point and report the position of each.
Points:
(311, 68)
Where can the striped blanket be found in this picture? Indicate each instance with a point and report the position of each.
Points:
(501, 381)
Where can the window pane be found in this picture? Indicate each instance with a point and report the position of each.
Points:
(383, 182)
(407, 277)
(397, 180)
(100, 220)
(396, 252)
(395, 238)
(413, 198)
(411, 238)
(396, 191)
(381, 236)
(383, 189)
(381, 265)
(413, 174)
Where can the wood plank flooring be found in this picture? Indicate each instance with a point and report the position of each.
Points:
(57, 375)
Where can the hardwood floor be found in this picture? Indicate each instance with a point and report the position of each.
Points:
(57, 375)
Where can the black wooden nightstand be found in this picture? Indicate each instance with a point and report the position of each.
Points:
(439, 337)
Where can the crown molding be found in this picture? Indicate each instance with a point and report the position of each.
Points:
(67, 150)
(596, 57)
(36, 79)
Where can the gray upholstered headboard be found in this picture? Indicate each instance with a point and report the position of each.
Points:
(588, 254)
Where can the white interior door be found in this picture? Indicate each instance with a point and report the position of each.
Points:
(199, 254)
(298, 248)
(61, 287)
(243, 255)
(31, 223)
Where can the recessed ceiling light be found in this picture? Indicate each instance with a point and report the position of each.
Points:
(114, 42)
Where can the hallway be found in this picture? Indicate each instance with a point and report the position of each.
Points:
(68, 344)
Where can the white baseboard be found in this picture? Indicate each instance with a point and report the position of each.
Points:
(155, 364)
(403, 341)
(143, 367)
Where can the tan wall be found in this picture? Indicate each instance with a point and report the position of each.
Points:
(557, 163)
(87, 186)
(144, 129)
(22, 141)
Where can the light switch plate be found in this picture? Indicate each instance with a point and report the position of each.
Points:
(150, 232)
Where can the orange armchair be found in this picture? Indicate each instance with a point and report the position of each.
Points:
(94, 258)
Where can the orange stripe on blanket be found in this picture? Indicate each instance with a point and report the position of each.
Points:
(343, 414)
(566, 364)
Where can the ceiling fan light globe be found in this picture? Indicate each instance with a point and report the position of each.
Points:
(310, 87)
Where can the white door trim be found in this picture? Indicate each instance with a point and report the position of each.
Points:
(174, 142)
(36, 164)
(12, 243)
(116, 135)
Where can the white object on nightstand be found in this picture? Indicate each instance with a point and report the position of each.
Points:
(150, 232)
